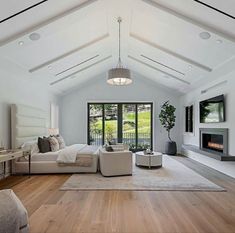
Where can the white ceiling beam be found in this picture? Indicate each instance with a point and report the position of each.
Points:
(159, 70)
(162, 64)
(47, 63)
(168, 51)
(79, 64)
(85, 68)
(46, 23)
(192, 21)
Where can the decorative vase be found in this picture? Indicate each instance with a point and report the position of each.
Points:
(170, 148)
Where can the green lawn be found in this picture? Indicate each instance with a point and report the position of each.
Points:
(129, 127)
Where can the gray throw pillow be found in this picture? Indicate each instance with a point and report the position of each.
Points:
(44, 145)
(109, 149)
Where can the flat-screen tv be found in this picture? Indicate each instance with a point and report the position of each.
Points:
(212, 110)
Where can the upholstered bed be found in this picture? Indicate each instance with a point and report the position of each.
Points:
(27, 124)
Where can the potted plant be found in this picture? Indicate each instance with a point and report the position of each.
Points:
(167, 119)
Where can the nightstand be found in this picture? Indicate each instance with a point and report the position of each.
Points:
(10, 155)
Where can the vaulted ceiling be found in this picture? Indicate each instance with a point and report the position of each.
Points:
(63, 44)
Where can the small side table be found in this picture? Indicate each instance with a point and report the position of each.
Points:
(10, 155)
(148, 160)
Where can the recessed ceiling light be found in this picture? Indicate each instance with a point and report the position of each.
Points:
(21, 43)
(219, 41)
(205, 35)
(34, 36)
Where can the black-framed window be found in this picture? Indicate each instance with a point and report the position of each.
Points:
(189, 119)
(130, 123)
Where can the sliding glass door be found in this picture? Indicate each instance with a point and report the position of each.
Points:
(110, 122)
(130, 123)
(96, 124)
(144, 122)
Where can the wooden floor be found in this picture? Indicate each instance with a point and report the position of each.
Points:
(55, 211)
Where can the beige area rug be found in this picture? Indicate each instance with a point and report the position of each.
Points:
(172, 176)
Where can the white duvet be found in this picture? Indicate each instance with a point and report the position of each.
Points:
(71, 153)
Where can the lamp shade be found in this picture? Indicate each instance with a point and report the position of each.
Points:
(53, 131)
(119, 77)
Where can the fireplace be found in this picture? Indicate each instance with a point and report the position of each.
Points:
(214, 140)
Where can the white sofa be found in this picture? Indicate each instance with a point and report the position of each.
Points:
(116, 163)
(13, 215)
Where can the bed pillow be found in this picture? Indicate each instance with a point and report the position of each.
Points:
(61, 141)
(31, 146)
(55, 146)
(44, 145)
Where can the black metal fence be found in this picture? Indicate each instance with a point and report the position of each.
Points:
(128, 138)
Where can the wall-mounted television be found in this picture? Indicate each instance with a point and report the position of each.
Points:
(212, 110)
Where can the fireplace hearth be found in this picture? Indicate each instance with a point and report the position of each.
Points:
(214, 140)
(213, 143)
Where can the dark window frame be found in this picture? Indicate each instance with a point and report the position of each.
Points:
(189, 119)
(120, 105)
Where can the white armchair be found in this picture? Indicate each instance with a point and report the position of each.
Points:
(120, 147)
(116, 163)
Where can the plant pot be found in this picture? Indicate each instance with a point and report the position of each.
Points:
(170, 148)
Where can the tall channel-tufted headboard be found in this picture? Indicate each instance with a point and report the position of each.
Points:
(27, 123)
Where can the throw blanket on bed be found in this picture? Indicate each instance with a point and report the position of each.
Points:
(78, 154)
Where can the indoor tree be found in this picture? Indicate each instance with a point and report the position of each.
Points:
(167, 119)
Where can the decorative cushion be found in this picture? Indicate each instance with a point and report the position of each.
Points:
(112, 142)
(55, 146)
(44, 145)
(61, 141)
(109, 149)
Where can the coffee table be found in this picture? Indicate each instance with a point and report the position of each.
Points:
(148, 160)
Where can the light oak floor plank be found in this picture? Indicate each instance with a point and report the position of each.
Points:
(54, 211)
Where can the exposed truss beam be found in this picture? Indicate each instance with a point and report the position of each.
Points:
(192, 21)
(85, 68)
(159, 70)
(168, 51)
(47, 63)
(46, 23)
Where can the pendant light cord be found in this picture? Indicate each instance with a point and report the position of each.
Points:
(119, 42)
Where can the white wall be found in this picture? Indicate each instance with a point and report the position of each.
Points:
(194, 97)
(21, 91)
(73, 107)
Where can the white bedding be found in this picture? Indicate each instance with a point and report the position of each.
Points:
(69, 154)
(77, 152)
(80, 150)
(49, 156)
